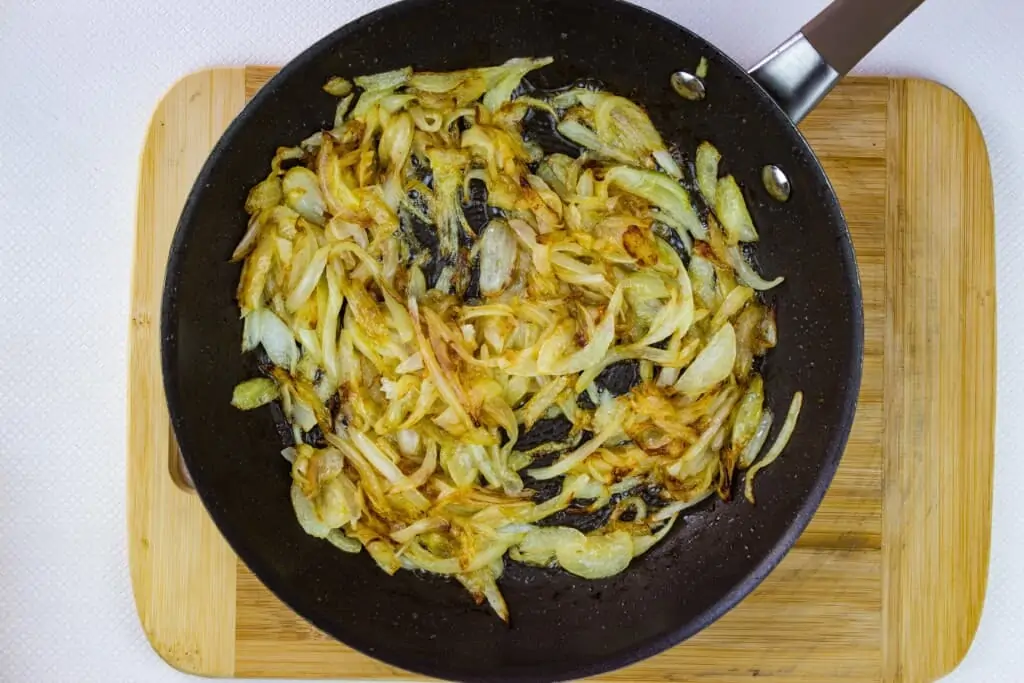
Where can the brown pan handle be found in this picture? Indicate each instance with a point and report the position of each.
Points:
(801, 71)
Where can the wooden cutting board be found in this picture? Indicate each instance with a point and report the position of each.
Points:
(887, 582)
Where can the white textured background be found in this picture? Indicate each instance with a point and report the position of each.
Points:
(79, 81)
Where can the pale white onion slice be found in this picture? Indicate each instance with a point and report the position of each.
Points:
(598, 556)
(707, 171)
(385, 80)
(671, 198)
(302, 192)
(254, 393)
(412, 363)
(539, 545)
(731, 209)
(734, 302)
(785, 432)
(641, 544)
(309, 279)
(746, 274)
(342, 542)
(583, 136)
(748, 413)
(673, 509)
(712, 365)
(306, 513)
(251, 331)
(752, 449)
(508, 78)
(277, 340)
(498, 255)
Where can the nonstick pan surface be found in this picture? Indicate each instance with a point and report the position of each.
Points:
(561, 626)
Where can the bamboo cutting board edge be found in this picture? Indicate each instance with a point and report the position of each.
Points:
(182, 569)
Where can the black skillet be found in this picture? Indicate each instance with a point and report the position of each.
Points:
(561, 626)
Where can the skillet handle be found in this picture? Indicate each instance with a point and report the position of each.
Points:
(800, 72)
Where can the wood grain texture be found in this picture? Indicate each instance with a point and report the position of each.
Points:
(912, 497)
(939, 370)
(183, 573)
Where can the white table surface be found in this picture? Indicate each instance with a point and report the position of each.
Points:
(80, 80)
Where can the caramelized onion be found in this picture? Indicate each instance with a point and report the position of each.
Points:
(445, 304)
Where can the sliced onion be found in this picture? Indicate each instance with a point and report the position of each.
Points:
(422, 473)
(707, 172)
(440, 82)
(303, 415)
(583, 136)
(333, 184)
(746, 273)
(338, 86)
(384, 555)
(418, 527)
(331, 310)
(702, 277)
(597, 557)
(339, 114)
(265, 195)
(460, 466)
(641, 544)
(309, 520)
(372, 452)
(425, 120)
(568, 461)
(412, 363)
(309, 279)
(302, 192)
(540, 544)
(251, 331)
(254, 393)
(598, 345)
(664, 192)
(734, 302)
(249, 239)
(700, 447)
(748, 413)
(780, 443)
(712, 365)
(482, 586)
(752, 449)
(408, 441)
(386, 80)
(510, 74)
(585, 184)
(312, 144)
(668, 164)
(396, 143)
(621, 123)
(673, 509)
(338, 502)
(343, 543)
(498, 255)
(445, 386)
(277, 339)
(731, 209)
